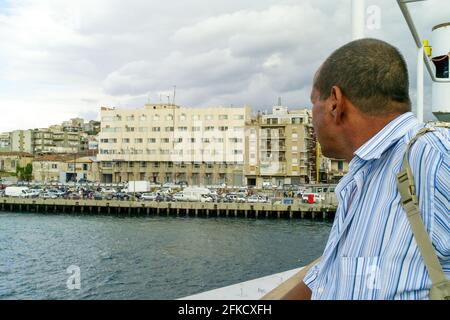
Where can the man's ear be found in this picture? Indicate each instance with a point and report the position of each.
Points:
(337, 104)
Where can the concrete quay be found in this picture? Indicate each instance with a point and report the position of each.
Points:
(181, 209)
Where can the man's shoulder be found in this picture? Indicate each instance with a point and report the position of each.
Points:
(436, 142)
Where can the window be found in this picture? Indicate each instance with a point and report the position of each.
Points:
(183, 117)
(169, 117)
(206, 140)
(143, 117)
(165, 140)
(238, 129)
(151, 140)
(130, 129)
(209, 128)
(192, 140)
(297, 120)
(182, 129)
(179, 140)
(125, 140)
(143, 129)
(151, 151)
(130, 118)
(238, 117)
(54, 166)
(340, 165)
(209, 117)
(196, 129)
(223, 117)
(156, 117)
(169, 129)
(138, 140)
(156, 129)
(223, 128)
(195, 117)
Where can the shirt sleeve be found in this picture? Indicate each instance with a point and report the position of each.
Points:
(441, 223)
(311, 275)
(430, 161)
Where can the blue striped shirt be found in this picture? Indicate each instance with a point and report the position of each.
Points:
(371, 252)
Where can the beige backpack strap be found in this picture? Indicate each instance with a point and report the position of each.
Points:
(440, 289)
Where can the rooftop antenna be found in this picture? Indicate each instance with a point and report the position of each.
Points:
(279, 101)
(174, 93)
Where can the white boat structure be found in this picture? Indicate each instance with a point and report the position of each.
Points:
(436, 61)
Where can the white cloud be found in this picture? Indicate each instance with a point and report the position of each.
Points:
(63, 58)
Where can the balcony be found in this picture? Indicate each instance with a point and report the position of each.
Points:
(273, 168)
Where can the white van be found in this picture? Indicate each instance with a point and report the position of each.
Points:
(196, 194)
(17, 191)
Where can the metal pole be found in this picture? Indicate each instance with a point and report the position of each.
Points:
(404, 9)
(358, 19)
(420, 64)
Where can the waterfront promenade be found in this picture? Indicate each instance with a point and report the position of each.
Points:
(153, 208)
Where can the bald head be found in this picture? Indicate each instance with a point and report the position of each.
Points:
(371, 73)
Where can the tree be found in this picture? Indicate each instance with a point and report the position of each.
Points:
(28, 172)
(24, 173)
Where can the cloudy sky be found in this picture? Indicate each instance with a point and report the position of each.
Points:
(61, 59)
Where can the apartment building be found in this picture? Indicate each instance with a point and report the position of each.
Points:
(22, 141)
(10, 160)
(168, 143)
(5, 142)
(279, 148)
(53, 140)
(62, 168)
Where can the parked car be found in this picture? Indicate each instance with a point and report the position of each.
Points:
(107, 190)
(257, 199)
(206, 198)
(48, 195)
(149, 196)
(57, 192)
(236, 197)
(73, 196)
(306, 197)
(165, 190)
(31, 193)
(179, 196)
(121, 196)
(164, 198)
(97, 196)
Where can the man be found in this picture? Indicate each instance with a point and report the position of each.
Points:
(361, 113)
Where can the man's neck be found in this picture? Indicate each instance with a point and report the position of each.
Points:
(362, 129)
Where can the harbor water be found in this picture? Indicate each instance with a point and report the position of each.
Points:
(146, 258)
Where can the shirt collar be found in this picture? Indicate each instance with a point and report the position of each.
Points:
(386, 137)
